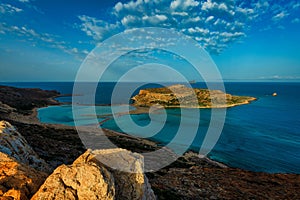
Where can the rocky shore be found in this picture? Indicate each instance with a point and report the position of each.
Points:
(41, 160)
(180, 96)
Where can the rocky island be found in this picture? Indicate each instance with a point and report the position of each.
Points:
(43, 161)
(182, 96)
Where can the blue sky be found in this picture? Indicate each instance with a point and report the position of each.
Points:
(46, 40)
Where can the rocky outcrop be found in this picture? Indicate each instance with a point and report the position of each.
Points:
(5, 108)
(88, 178)
(127, 170)
(18, 181)
(13, 144)
(25, 99)
(182, 96)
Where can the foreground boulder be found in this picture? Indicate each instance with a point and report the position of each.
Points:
(18, 181)
(14, 144)
(88, 178)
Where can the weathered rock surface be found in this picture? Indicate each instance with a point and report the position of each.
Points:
(14, 144)
(88, 178)
(18, 181)
(127, 170)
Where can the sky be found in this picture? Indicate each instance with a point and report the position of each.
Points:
(47, 40)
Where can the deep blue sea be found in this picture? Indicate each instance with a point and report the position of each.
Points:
(261, 136)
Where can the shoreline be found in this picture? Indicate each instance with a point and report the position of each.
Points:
(33, 119)
(189, 177)
(137, 111)
(145, 110)
(201, 107)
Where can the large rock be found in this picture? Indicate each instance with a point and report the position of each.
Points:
(127, 169)
(78, 181)
(18, 181)
(88, 178)
(14, 144)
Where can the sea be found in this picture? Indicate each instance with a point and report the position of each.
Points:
(263, 136)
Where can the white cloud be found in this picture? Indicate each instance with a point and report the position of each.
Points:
(278, 77)
(215, 24)
(260, 4)
(85, 52)
(180, 13)
(208, 5)
(183, 4)
(74, 50)
(98, 29)
(296, 5)
(9, 9)
(118, 6)
(246, 11)
(154, 20)
(296, 21)
(30, 35)
(232, 35)
(280, 16)
(198, 30)
(208, 19)
(186, 16)
(217, 6)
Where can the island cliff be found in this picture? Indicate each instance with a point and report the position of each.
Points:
(182, 96)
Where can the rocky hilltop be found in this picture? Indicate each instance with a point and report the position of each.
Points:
(182, 96)
(23, 100)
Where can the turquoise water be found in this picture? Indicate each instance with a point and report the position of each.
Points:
(261, 136)
(64, 114)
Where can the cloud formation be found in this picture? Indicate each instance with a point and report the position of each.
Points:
(279, 77)
(9, 9)
(30, 35)
(96, 28)
(215, 24)
(212, 23)
(296, 20)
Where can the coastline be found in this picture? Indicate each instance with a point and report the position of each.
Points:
(189, 177)
(152, 144)
(189, 107)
